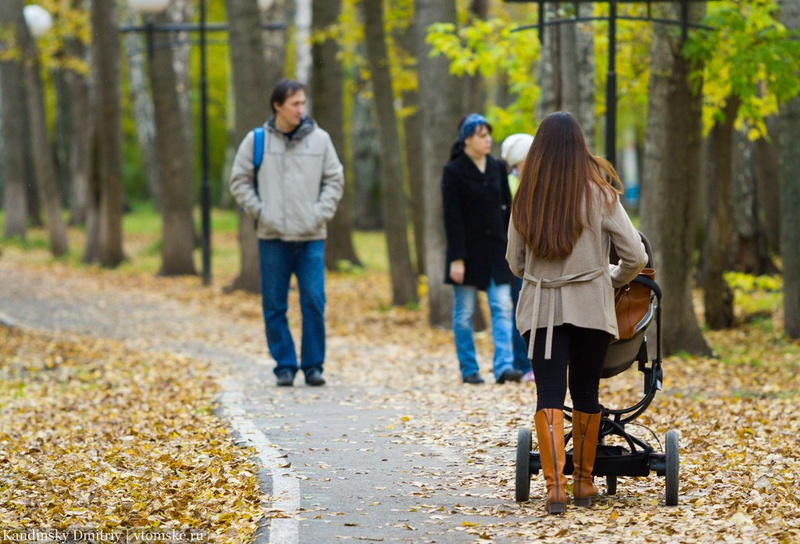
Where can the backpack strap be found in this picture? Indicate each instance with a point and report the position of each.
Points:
(258, 153)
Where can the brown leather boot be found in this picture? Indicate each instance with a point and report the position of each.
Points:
(585, 428)
(550, 434)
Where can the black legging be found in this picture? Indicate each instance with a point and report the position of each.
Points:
(584, 351)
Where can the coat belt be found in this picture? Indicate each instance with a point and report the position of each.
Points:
(543, 283)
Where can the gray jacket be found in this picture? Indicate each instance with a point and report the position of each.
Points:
(300, 182)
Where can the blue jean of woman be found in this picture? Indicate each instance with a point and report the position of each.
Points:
(521, 361)
(279, 260)
(499, 297)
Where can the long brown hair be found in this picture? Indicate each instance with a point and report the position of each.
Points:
(555, 187)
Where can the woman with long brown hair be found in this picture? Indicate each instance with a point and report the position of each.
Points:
(565, 215)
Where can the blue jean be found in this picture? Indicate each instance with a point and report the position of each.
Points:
(279, 260)
(521, 361)
(500, 307)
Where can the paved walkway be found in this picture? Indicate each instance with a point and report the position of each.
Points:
(385, 452)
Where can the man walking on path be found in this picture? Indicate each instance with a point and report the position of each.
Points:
(292, 196)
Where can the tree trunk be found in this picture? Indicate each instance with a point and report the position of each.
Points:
(366, 164)
(108, 134)
(252, 88)
(671, 171)
(181, 12)
(302, 40)
(547, 69)
(174, 162)
(790, 193)
(438, 94)
(275, 43)
(44, 156)
(142, 108)
(74, 133)
(717, 296)
(566, 71)
(750, 251)
(768, 175)
(412, 129)
(73, 124)
(474, 99)
(576, 63)
(91, 253)
(13, 125)
(2, 176)
(404, 281)
(327, 93)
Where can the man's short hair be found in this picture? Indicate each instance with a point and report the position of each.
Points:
(283, 90)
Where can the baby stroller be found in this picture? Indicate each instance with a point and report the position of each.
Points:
(636, 457)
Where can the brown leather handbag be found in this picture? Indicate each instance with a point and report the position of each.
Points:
(632, 301)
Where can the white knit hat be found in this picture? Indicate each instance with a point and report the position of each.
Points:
(515, 147)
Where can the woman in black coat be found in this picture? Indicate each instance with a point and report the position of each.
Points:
(477, 202)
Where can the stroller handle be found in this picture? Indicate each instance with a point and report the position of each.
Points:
(644, 280)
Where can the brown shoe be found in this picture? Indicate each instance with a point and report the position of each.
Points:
(585, 430)
(550, 434)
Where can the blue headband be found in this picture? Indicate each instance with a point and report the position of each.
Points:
(471, 123)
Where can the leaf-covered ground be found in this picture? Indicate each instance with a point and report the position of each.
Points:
(95, 435)
(737, 416)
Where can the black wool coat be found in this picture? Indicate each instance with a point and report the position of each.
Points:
(477, 207)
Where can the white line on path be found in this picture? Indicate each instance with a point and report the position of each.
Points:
(285, 485)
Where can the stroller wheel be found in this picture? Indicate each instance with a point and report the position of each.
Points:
(611, 484)
(672, 468)
(523, 481)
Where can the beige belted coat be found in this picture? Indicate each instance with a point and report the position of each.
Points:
(578, 289)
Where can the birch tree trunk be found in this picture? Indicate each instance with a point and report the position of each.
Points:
(142, 106)
(404, 281)
(671, 172)
(327, 93)
(302, 40)
(13, 102)
(439, 104)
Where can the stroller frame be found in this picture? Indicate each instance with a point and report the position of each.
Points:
(637, 457)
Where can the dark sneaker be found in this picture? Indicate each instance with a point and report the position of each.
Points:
(314, 377)
(510, 375)
(474, 379)
(285, 378)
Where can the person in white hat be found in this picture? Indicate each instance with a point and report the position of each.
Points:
(513, 151)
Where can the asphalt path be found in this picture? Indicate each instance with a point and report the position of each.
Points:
(340, 462)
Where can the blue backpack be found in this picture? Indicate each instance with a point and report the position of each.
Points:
(258, 153)
(258, 156)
